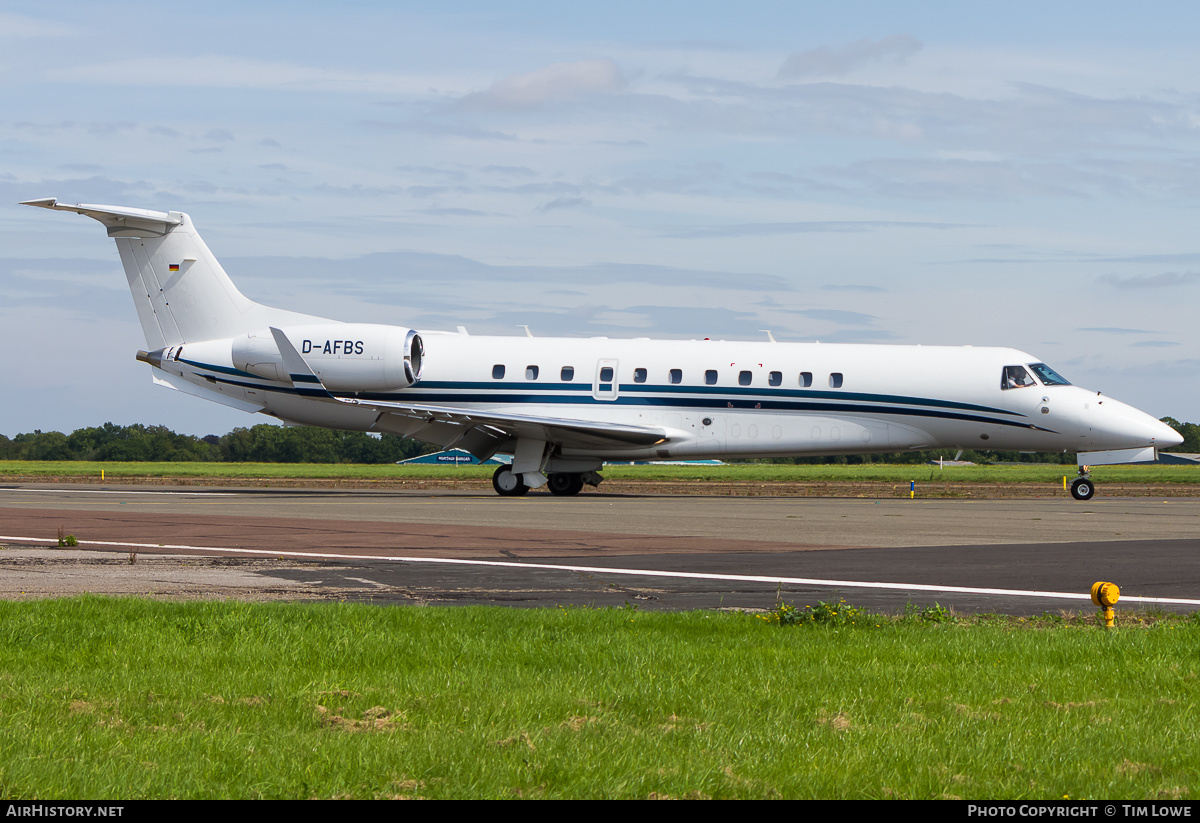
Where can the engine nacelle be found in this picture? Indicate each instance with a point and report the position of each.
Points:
(348, 357)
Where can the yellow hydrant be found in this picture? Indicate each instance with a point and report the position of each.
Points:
(1106, 595)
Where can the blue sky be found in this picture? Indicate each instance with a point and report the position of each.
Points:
(1024, 175)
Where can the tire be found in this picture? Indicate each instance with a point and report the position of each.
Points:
(508, 484)
(564, 484)
(1083, 489)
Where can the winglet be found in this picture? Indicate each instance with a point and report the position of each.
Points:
(298, 370)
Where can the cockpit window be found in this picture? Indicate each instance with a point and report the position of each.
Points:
(1048, 375)
(1015, 377)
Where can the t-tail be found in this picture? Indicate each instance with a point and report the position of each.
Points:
(181, 292)
(206, 338)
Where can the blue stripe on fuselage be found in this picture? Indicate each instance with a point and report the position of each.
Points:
(716, 399)
(759, 394)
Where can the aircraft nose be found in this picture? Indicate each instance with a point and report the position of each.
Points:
(1168, 437)
(1111, 424)
(1139, 426)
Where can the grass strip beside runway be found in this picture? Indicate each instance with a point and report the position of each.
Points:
(732, 473)
(128, 698)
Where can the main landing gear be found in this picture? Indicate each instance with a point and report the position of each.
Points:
(562, 484)
(1082, 487)
(508, 484)
(565, 484)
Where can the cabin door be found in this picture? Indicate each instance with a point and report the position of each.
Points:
(604, 386)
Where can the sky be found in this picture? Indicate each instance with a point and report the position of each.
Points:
(1021, 174)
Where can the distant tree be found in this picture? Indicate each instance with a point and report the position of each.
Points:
(47, 446)
(305, 444)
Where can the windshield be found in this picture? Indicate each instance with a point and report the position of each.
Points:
(1048, 375)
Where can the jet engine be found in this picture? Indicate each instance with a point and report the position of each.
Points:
(347, 357)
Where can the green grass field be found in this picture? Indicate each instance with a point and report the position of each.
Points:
(737, 473)
(106, 698)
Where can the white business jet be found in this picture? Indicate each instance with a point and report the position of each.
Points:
(562, 406)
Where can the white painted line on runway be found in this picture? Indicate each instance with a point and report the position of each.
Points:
(111, 491)
(744, 578)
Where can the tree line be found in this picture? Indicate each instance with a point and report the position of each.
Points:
(259, 444)
(305, 444)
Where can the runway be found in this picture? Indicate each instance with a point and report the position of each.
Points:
(665, 552)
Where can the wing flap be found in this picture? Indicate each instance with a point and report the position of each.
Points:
(584, 434)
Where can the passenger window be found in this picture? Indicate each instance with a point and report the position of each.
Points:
(606, 374)
(710, 377)
(806, 379)
(497, 372)
(531, 372)
(568, 373)
(744, 378)
(639, 375)
(676, 375)
(1015, 377)
(835, 380)
(775, 378)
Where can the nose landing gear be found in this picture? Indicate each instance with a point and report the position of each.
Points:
(1082, 487)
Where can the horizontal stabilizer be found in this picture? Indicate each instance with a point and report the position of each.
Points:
(121, 221)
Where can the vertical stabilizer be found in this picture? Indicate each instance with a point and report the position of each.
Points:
(181, 292)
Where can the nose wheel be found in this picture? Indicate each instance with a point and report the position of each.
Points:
(1082, 488)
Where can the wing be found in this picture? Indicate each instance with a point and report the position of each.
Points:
(583, 434)
(477, 431)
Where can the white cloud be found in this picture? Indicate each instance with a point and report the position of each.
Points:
(1151, 281)
(564, 203)
(18, 25)
(842, 60)
(555, 83)
(221, 71)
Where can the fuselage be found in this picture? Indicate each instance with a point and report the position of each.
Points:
(719, 398)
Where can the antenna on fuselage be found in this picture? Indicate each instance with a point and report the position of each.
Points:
(770, 336)
(528, 333)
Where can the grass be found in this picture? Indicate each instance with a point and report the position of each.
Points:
(743, 472)
(125, 698)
